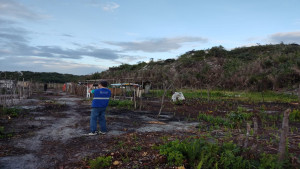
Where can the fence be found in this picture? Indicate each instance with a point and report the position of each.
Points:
(12, 91)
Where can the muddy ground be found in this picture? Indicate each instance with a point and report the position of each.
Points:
(51, 131)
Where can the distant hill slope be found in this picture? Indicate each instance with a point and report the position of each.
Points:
(256, 68)
(43, 77)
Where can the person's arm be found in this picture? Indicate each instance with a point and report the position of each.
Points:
(91, 90)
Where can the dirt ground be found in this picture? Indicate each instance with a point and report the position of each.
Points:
(51, 132)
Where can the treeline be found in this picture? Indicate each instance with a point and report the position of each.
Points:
(262, 67)
(43, 77)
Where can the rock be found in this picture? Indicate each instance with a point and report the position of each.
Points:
(144, 154)
(116, 162)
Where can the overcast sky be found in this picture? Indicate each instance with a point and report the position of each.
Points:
(85, 36)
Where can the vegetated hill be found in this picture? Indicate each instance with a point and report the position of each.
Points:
(43, 77)
(263, 67)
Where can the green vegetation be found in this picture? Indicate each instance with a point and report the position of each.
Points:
(128, 104)
(295, 116)
(238, 117)
(256, 68)
(42, 77)
(200, 153)
(267, 96)
(12, 112)
(216, 121)
(233, 119)
(4, 133)
(100, 162)
(8, 113)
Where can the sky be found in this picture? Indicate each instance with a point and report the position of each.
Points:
(86, 36)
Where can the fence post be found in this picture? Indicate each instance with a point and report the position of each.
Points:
(284, 134)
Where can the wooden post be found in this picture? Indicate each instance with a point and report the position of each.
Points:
(134, 97)
(247, 135)
(255, 127)
(4, 105)
(284, 134)
(208, 90)
(163, 98)
(299, 92)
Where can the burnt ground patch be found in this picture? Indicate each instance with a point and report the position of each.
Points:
(51, 133)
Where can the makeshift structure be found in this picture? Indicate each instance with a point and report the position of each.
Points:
(122, 91)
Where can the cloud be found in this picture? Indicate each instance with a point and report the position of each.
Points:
(14, 41)
(286, 37)
(296, 22)
(67, 35)
(157, 45)
(14, 10)
(110, 6)
(38, 64)
(22, 49)
(12, 34)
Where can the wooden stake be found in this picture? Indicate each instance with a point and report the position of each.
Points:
(247, 135)
(255, 125)
(284, 134)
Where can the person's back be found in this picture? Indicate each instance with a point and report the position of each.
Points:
(101, 97)
(99, 104)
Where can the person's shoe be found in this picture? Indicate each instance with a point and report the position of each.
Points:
(103, 133)
(92, 134)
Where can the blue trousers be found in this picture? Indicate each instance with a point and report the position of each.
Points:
(98, 114)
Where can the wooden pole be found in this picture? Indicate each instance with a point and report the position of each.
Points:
(255, 125)
(284, 134)
(247, 135)
(299, 92)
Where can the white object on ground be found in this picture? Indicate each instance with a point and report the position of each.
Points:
(177, 96)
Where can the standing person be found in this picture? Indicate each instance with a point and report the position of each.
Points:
(45, 87)
(99, 104)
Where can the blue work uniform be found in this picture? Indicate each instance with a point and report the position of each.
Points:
(99, 104)
(101, 97)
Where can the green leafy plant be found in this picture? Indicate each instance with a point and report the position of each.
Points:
(239, 116)
(295, 115)
(200, 153)
(268, 161)
(216, 121)
(174, 156)
(178, 102)
(137, 148)
(121, 104)
(100, 162)
(12, 112)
